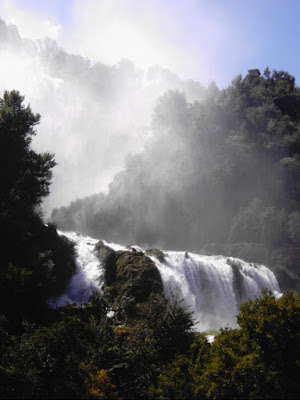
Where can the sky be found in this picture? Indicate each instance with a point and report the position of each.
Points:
(204, 40)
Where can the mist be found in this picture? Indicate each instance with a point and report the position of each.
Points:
(95, 76)
(216, 176)
(92, 114)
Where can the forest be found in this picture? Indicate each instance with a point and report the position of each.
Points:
(149, 349)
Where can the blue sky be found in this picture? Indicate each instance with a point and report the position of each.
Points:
(203, 40)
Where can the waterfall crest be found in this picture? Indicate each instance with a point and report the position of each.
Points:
(212, 287)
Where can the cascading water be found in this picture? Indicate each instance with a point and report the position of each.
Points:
(212, 287)
(89, 271)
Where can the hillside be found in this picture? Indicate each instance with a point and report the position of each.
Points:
(218, 176)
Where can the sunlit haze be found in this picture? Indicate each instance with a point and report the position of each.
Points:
(91, 135)
(200, 40)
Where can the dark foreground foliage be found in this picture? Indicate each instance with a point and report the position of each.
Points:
(84, 354)
(261, 360)
(36, 262)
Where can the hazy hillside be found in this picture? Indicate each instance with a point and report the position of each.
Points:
(93, 115)
(223, 171)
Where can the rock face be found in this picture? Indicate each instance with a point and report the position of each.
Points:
(137, 276)
(129, 278)
(107, 256)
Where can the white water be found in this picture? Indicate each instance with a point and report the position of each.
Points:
(89, 271)
(209, 286)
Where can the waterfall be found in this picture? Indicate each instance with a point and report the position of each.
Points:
(89, 275)
(211, 287)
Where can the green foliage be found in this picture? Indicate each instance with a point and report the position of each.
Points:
(45, 361)
(176, 380)
(173, 382)
(258, 361)
(160, 331)
(274, 326)
(170, 323)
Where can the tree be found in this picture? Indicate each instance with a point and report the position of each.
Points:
(98, 383)
(258, 361)
(35, 261)
(178, 379)
(24, 174)
(274, 325)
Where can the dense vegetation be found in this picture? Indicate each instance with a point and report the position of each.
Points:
(258, 361)
(147, 349)
(35, 262)
(220, 176)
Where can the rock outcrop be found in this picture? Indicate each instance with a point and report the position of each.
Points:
(130, 277)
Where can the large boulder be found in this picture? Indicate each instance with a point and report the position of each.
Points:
(129, 276)
(137, 276)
